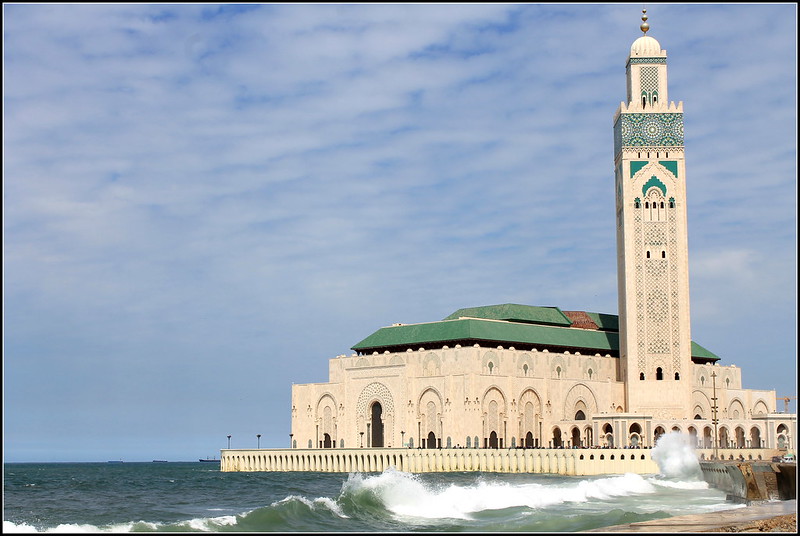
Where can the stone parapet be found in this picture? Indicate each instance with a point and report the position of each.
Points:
(576, 462)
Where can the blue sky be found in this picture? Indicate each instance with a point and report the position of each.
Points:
(203, 204)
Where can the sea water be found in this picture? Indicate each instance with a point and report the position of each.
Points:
(197, 497)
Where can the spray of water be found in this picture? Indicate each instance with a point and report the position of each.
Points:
(676, 457)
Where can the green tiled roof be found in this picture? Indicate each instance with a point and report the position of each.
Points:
(474, 330)
(515, 313)
(508, 325)
(700, 352)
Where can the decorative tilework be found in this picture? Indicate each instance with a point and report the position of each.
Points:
(648, 130)
(654, 182)
(636, 165)
(648, 81)
(671, 166)
(648, 60)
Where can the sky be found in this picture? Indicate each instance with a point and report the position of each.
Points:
(203, 204)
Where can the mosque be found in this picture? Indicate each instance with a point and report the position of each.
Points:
(510, 375)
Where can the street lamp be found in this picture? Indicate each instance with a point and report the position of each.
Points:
(716, 420)
(258, 436)
(229, 442)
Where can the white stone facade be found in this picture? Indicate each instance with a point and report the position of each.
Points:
(486, 395)
(502, 397)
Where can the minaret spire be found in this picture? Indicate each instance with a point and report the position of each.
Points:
(644, 27)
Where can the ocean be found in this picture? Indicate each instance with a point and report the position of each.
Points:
(197, 497)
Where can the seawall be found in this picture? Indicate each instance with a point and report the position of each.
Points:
(578, 462)
(749, 481)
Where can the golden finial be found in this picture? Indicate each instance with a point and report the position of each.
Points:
(644, 27)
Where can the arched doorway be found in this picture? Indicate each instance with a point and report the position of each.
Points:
(431, 442)
(740, 442)
(493, 440)
(658, 433)
(556, 438)
(326, 441)
(755, 438)
(635, 432)
(608, 435)
(576, 437)
(377, 425)
(723, 438)
(529, 440)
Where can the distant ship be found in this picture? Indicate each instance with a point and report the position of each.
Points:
(209, 460)
(159, 461)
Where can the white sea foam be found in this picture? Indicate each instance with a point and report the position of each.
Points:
(325, 502)
(9, 527)
(676, 457)
(406, 495)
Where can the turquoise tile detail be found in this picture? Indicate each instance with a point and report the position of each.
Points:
(654, 182)
(671, 165)
(648, 130)
(636, 165)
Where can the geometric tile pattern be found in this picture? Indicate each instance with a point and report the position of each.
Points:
(648, 130)
(648, 82)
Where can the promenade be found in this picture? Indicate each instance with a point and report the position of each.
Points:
(771, 516)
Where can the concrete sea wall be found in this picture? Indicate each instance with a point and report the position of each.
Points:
(752, 481)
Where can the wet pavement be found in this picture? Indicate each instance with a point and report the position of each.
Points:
(727, 520)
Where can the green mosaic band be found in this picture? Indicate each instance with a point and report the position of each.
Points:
(647, 60)
(648, 130)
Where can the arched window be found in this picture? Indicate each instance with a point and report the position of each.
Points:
(647, 204)
(662, 204)
(659, 374)
(648, 253)
(491, 366)
(641, 375)
(590, 372)
(677, 376)
(663, 254)
(580, 416)
(637, 203)
(558, 372)
(525, 369)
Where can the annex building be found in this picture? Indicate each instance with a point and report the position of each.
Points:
(509, 375)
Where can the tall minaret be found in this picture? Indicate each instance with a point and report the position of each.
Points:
(652, 242)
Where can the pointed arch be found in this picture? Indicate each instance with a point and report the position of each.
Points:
(582, 393)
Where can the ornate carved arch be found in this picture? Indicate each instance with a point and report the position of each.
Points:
(760, 408)
(699, 398)
(490, 363)
(736, 409)
(432, 365)
(373, 392)
(579, 393)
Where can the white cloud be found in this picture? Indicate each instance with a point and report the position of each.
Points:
(267, 188)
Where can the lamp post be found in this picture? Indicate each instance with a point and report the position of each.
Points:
(714, 408)
(258, 436)
(229, 442)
